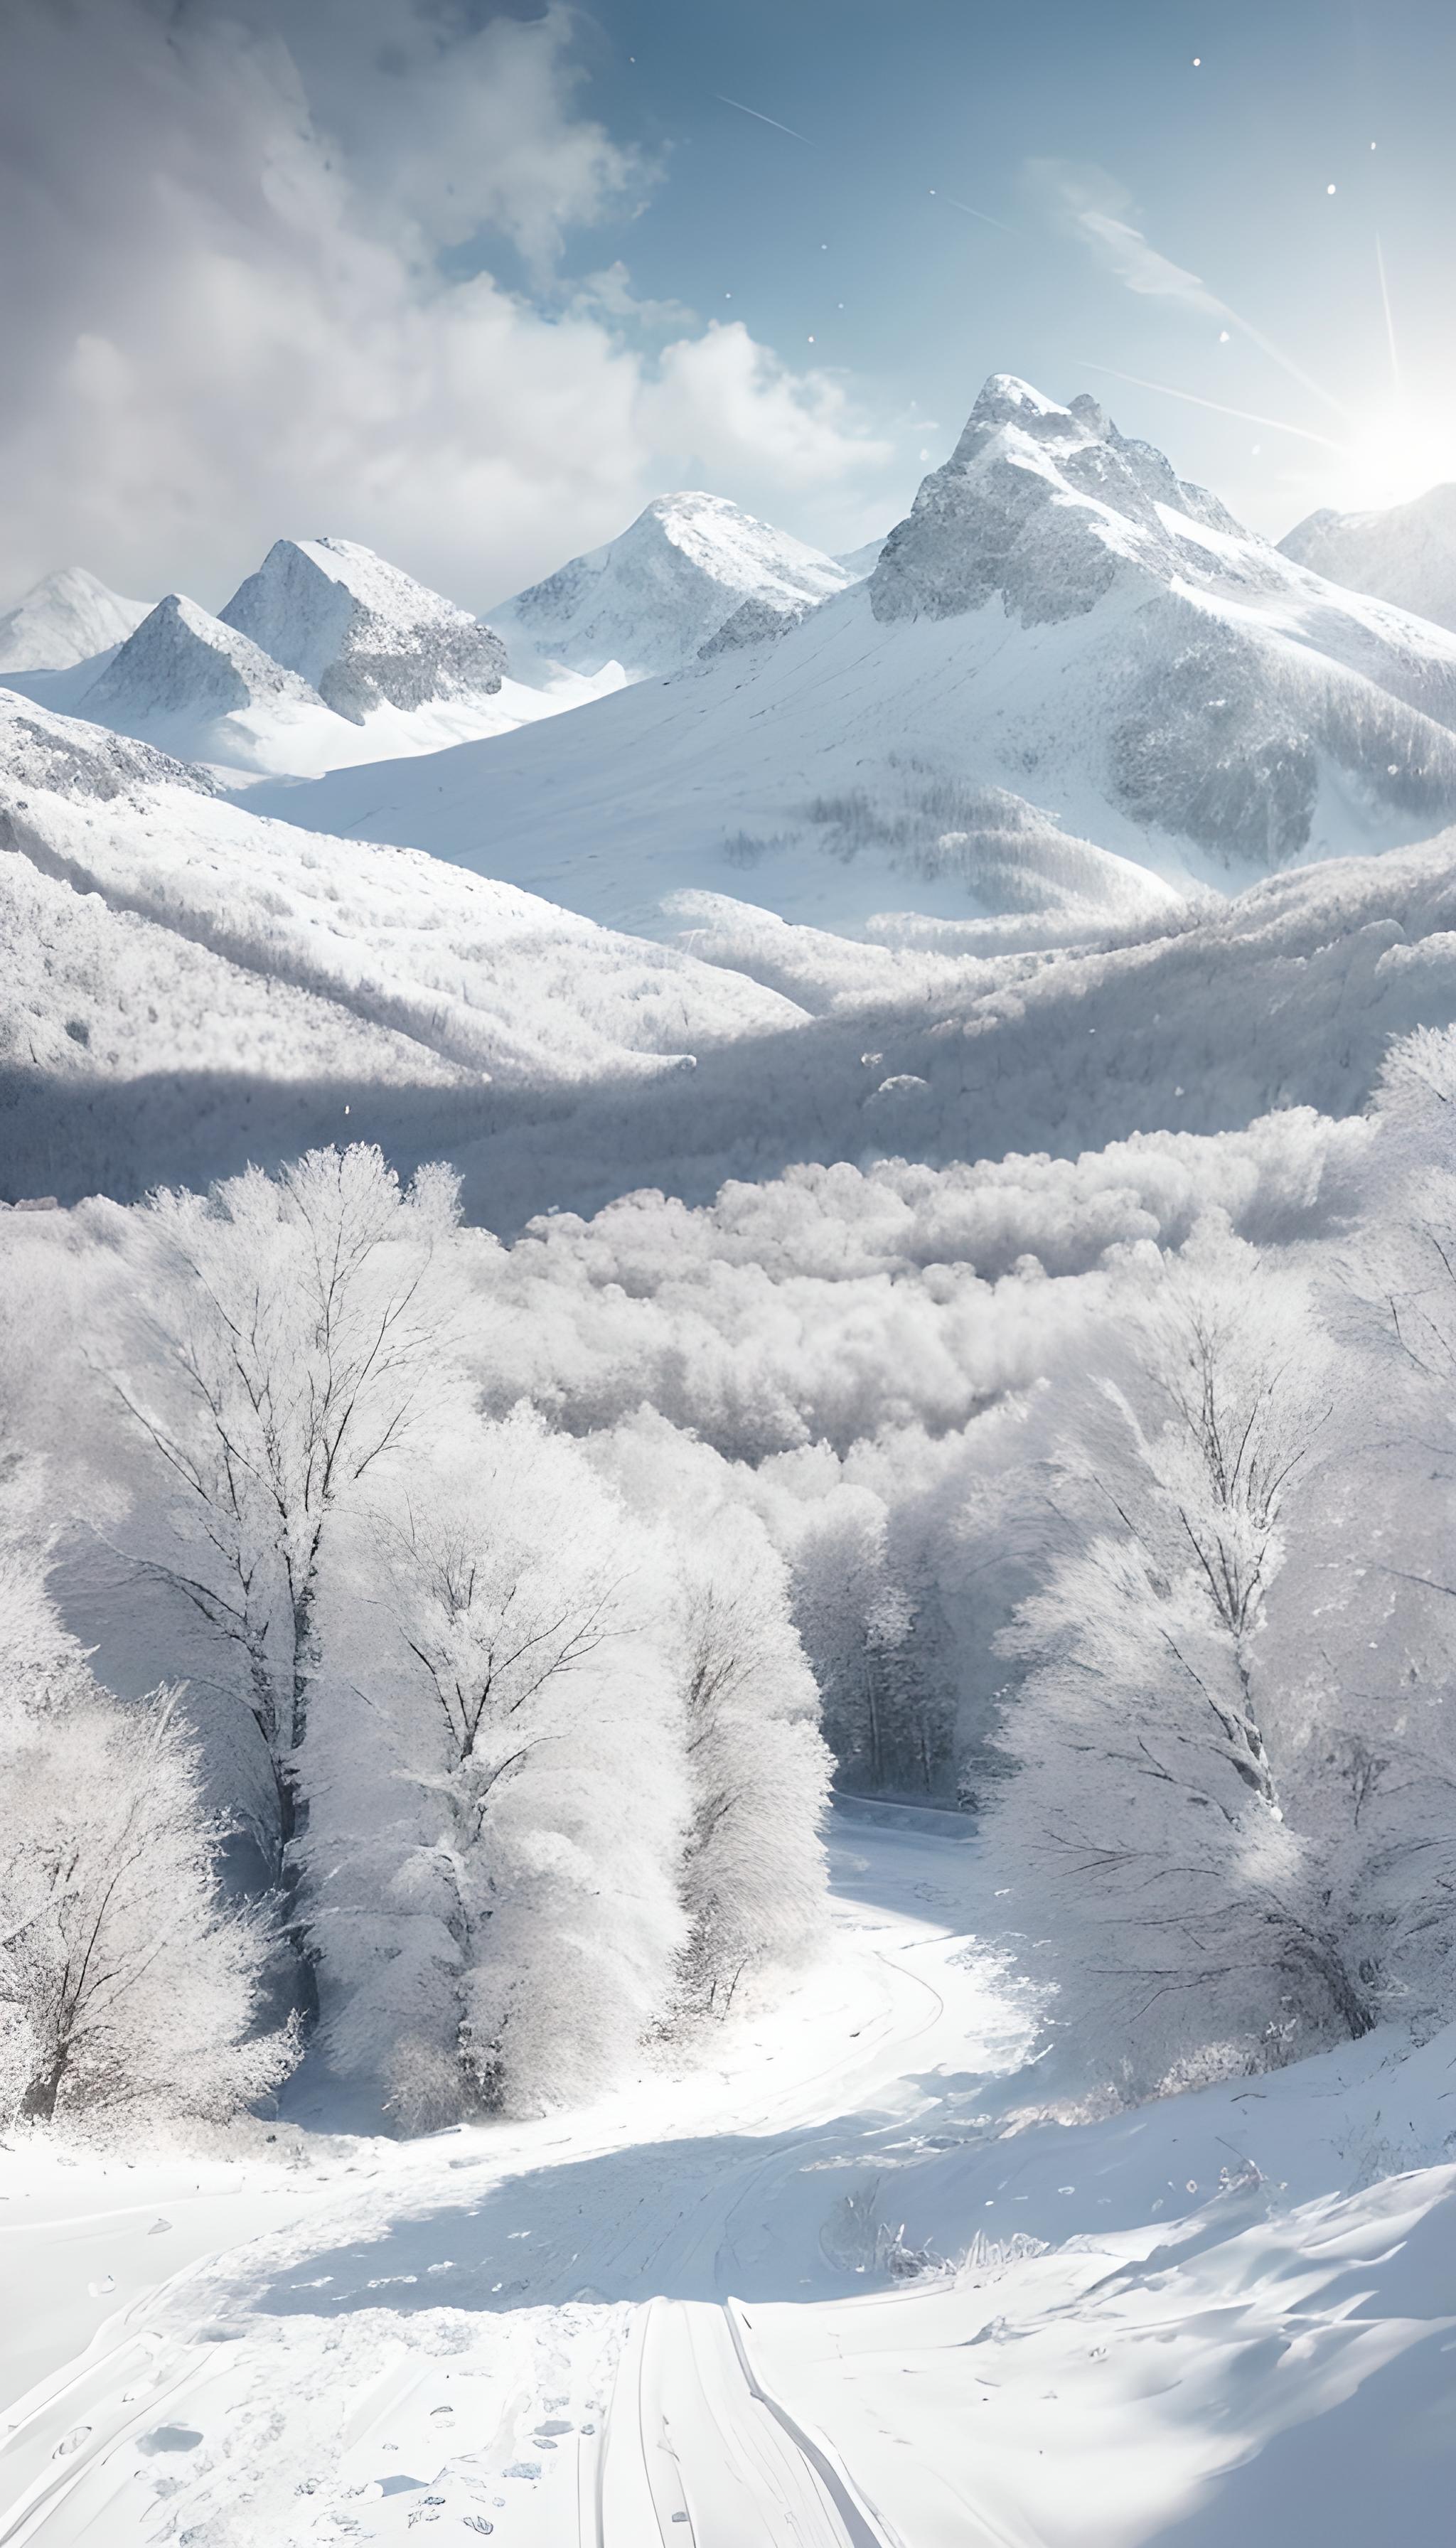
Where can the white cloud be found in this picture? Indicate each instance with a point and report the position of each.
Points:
(1095, 207)
(231, 320)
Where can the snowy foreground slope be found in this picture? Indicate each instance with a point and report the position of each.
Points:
(813, 2296)
(1066, 665)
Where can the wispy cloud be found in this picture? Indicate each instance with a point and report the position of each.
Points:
(762, 119)
(1090, 204)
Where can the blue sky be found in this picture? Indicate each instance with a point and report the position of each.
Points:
(471, 283)
(912, 109)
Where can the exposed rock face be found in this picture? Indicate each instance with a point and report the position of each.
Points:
(182, 665)
(361, 632)
(64, 619)
(756, 622)
(656, 598)
(1046, 505)
(1407, 555)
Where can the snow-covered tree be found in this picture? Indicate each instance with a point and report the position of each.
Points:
(124, 1980)
(293, 1335)
(496, 1762)
(1144, 1830)
(753, 1873)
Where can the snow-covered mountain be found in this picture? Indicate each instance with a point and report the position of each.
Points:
(1407, 555)
(63, 621)
(1064, 642)
(691, 572)
(207, 690)
(186, 681)
(363, 633)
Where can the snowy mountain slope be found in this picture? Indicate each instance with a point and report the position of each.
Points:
(154, 928)
(361, 631)
(1407, 555)
(63, 621)
(653, 598)
(1192, 1019)
(1058, 621)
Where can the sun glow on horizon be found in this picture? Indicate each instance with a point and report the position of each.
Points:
(1396, 455)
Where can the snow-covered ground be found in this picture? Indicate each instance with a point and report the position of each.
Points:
(836, 2285)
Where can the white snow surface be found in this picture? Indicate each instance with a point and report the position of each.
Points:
(1406, 555)
(836, 2287)
(151, 927)
(65, 618)
(1063, 626)
(649, 600)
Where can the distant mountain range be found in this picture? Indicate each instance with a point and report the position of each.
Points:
(1069, 686)
(1071, 682)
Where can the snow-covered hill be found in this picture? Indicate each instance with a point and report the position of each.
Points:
(1407, 555)
(689, 569)
(1062, 639)
(157, 939)
(63, 621)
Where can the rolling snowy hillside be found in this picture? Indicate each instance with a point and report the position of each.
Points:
(157, 936)
(691, 572)
(1064, 641)
(64, 619)
(1407, 555)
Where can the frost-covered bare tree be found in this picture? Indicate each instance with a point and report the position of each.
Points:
(500, 1791)
(1144, 1827)
(293, 1332)
(125, 1982)
(753, 1873)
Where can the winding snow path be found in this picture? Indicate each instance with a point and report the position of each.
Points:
(539, 2332)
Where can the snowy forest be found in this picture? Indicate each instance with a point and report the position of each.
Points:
(438, 1652)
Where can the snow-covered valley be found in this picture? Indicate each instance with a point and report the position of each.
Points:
(818, 2290)
(725, 1491)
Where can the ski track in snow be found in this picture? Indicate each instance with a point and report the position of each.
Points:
(590, 2330)
(215, 2407)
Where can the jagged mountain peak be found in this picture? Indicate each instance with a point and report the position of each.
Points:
(363, 632)
(667, 586)
(1048, 506)
(64, 619)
